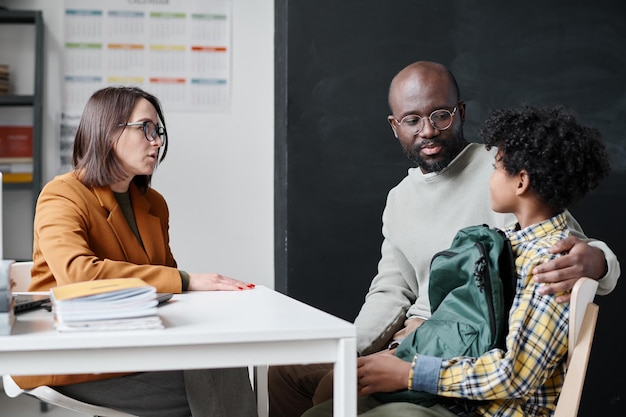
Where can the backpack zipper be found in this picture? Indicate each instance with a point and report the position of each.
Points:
(483, 282)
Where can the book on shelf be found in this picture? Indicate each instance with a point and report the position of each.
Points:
(108, 304)
(4, 79)
(13, 165)
(16, 141)
(17, 177)
(16, 159)
(16, 169)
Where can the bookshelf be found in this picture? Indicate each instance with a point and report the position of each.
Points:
(22, 50)
(29, 100)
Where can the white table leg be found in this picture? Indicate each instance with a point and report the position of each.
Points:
(344, 388)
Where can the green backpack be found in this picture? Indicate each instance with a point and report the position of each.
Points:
(471, 290)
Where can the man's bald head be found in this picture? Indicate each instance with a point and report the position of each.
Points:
(424, 73)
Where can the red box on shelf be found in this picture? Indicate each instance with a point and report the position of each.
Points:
(16, 141)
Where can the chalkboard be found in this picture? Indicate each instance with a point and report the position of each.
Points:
(336, 157)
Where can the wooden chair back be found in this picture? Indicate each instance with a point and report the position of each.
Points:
(582, 323)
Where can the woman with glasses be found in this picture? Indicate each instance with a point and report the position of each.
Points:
(103, 220)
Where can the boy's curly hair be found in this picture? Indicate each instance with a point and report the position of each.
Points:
(563, 158)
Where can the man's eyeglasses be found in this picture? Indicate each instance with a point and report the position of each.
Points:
(440, 119)
(150, 130)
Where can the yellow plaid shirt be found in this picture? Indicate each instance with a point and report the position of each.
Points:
(527, 378)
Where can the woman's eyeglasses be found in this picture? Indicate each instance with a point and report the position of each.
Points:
(150, 130)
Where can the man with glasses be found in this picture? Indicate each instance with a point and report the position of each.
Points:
(448, 190)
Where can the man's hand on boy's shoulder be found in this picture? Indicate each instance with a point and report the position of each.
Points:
(560, 274)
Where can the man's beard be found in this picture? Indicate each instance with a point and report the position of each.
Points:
(450, 149)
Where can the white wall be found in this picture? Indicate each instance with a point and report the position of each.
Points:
(218, 174)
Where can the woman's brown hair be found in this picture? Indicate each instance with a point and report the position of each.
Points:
(98, 131)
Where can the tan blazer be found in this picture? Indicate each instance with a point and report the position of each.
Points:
(81, 234)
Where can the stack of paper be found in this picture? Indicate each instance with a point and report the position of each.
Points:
(110, 304)
(7, 317)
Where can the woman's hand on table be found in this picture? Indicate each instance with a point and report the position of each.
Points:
(216, 282)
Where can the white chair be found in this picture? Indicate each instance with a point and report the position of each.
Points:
(19, 272)
(51, 396)
(583, 316)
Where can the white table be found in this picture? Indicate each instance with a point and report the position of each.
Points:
(213, 329)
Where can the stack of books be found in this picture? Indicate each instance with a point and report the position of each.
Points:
(110, 304)
(16, 153)
(4, 80)
(7, 316)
